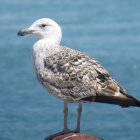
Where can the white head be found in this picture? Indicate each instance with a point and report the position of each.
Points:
(44, 28)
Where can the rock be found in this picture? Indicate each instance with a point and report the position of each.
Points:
(75, 136)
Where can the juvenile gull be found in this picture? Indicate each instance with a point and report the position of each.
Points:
(70, 75)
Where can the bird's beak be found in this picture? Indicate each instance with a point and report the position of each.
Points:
(25, 32)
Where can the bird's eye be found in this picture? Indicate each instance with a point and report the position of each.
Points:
(43, 25)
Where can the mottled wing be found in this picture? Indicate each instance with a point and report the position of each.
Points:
(79, 77)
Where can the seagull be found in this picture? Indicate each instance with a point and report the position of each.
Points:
(70, 75)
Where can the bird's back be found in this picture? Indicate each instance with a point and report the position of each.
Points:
(73, 76)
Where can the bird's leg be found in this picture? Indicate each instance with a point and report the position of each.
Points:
(65, 117)
(79, 111)
(65, 130)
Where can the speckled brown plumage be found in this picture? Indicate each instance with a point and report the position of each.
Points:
(71, 75)
(74, 76)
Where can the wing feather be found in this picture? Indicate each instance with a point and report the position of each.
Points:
(78, 76)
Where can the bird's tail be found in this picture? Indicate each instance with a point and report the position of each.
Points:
(123, 102)
(138, 103)
(135, 102)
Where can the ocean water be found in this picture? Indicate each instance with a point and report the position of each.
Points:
(107, 30)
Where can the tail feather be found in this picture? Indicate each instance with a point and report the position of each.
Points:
(137, 103)
(124, 102)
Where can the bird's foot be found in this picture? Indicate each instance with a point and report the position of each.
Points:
(65, 131)
(77, 130)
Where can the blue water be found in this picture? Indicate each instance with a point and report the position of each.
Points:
(108, 30)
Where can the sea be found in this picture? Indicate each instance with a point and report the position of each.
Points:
(107, 30)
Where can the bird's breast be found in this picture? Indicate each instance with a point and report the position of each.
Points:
(38, 56)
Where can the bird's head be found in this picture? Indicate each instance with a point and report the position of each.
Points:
(43, 28)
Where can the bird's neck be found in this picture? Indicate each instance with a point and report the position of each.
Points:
(48, 42)
(49, 46)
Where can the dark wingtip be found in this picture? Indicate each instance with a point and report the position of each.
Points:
(137, 103)
(20, 33)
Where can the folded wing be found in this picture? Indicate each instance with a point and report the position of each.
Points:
(81, 78)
